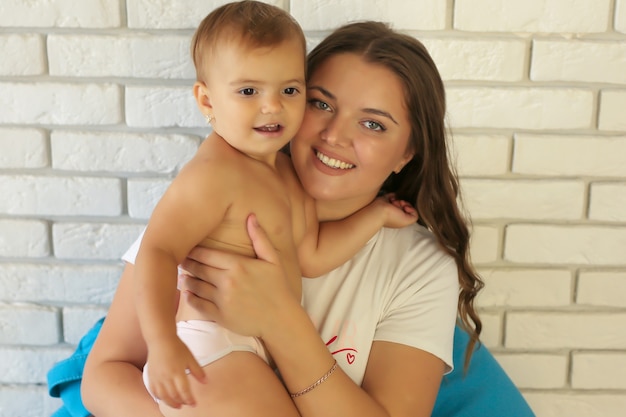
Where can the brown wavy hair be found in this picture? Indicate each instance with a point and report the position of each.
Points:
(428, 180)
(253, 23)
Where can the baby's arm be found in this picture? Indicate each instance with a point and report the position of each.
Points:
(328, 245)
(179, 222)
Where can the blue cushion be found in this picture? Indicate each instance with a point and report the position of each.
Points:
(485, 390)
(65, 377)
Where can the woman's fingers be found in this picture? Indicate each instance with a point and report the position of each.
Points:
(205, 307)
(200, 257)
(260, 242)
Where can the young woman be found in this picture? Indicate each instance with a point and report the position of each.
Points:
(386, 318)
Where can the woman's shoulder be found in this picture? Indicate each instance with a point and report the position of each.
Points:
(413, 238)
(413, 253)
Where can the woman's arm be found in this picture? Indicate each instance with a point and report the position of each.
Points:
(399, 380)
(112, 380)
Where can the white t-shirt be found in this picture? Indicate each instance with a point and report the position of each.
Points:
(401, 287)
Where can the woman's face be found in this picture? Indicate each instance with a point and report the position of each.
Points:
(355, 132)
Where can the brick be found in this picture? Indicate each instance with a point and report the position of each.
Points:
(524, 199)
(612, 105)
(19, 321)
(58, 283)
(58, 103)
(604, 289)
(562, 245)
(586, 155)
(620, 16)
(535, 370)
(23, 148)
(548, 330)
(26, 401)
(607, 202)
(484, 244)
(143, 196)
(77, 320)
(481, 155)
(602, 370)
(175, 14)
(23, 54)
(523, 108)
(525, 288)
(491, 335)
(93, 240)
(126, 152)
(478, 59)
(60, 13)
(584, 16)
(578, 60)
(29, 365)
(162, 107)
(24, 238)
(137, 56)
(50, 195)
(405, 14)
(576, 404)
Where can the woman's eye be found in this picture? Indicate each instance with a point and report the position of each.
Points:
(318, 104)
(372, 125)
(247, 91)
(290, 91)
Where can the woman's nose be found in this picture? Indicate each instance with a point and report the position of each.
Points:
(336, 132)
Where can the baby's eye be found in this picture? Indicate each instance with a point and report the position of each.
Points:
(290, 91)
(319, 104)
(372, 125)
(248, 91)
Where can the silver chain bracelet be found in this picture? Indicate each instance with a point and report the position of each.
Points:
(316, 383)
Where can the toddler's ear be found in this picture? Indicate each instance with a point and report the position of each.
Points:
(203, 100)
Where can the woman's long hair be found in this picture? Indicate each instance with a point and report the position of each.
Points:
(428, 180)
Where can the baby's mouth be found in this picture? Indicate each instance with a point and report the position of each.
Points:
(269, 128)
(332, 162)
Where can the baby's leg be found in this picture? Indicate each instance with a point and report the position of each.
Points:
(239, 384)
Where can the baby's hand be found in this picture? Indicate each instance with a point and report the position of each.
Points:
(398, 213)
(169, 362)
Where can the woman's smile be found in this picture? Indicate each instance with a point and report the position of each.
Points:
(333, 162)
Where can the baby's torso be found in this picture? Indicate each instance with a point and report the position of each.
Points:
(276, 198)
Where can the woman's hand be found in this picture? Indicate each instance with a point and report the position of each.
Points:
(242, 294)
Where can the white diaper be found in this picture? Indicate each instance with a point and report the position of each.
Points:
(209, 342)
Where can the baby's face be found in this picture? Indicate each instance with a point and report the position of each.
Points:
(257, 95)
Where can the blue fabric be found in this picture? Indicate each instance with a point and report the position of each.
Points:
(485, 390)
(65, 377)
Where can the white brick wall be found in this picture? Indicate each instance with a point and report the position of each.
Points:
(97, 116)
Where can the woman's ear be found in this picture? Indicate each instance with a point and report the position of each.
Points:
(201, 93)
(405, 160)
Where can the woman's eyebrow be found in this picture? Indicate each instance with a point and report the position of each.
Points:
(330, 95)
(380, 113)
(322, 90)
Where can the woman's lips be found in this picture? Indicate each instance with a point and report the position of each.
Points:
(331, 162)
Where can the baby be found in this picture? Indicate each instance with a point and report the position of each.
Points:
(250, 64)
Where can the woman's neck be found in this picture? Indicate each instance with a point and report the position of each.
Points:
(330, 210)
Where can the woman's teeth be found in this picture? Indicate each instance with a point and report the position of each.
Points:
(332, 162)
